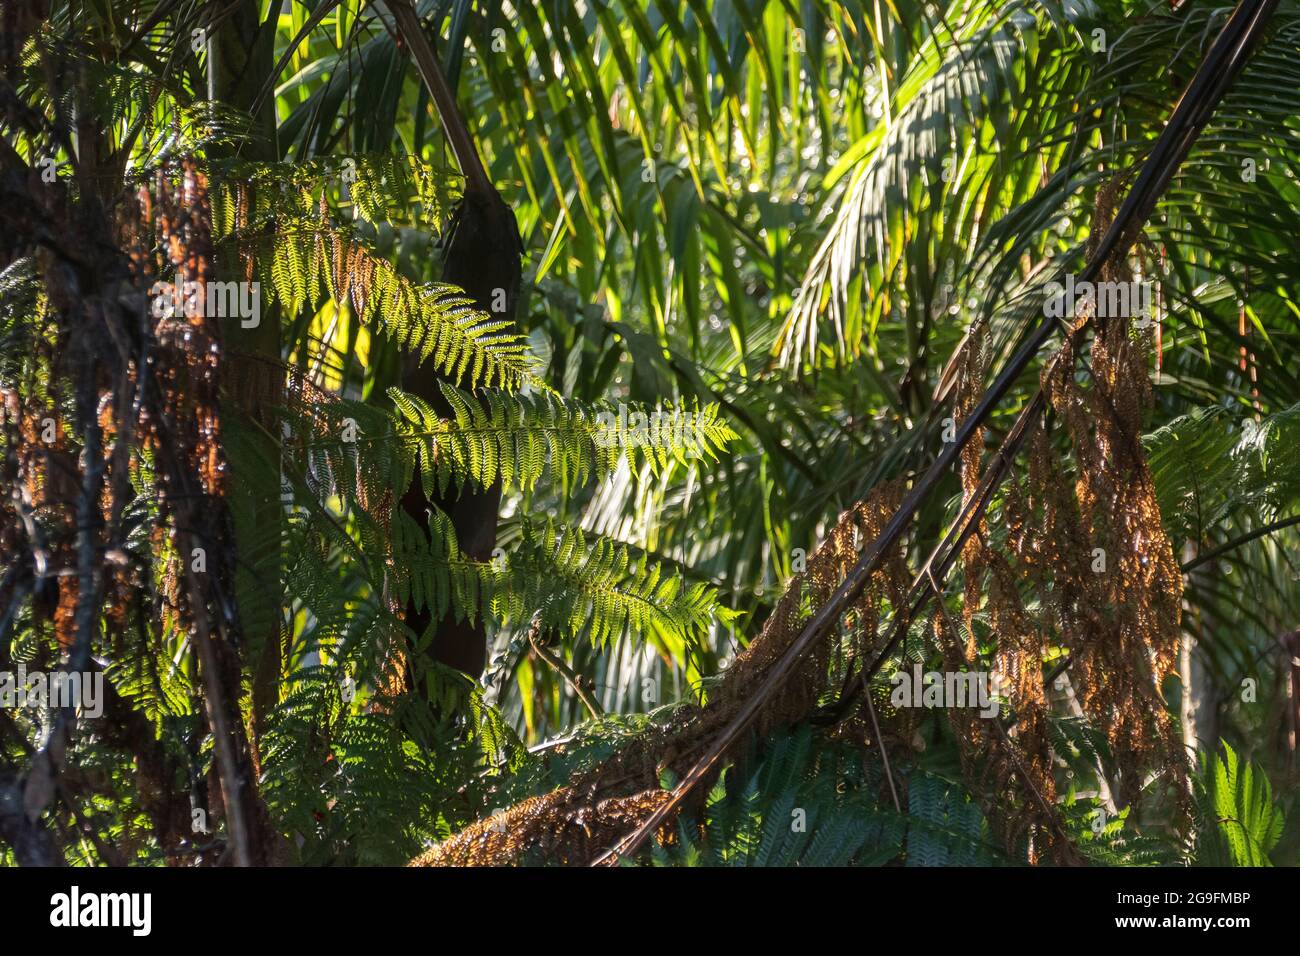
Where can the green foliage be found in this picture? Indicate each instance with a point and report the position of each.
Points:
(1211, 463)
(570, 584)
(764, 227)
(810, 802)
(944, 825)
(1105, 839)
(307, 259)
(577, 585)
(20, 294)
(312, 228)
(511, 438)
(923, 189)
(355, 784)
(1238, 823)
(373, 187)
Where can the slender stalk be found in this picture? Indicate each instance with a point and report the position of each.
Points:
(884, 753)
(444, 99)
(573, 679)
(229, 766)
(1260, 532)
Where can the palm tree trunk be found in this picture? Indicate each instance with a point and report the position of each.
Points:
(481, 255)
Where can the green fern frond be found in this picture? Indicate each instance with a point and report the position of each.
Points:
(1107, 840)
(1237, 822)
(1210, 462)
(351, 784)
(305, 258)
(576, 584)
(579, 585)
(511, 438)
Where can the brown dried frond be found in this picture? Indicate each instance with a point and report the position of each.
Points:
(1120, 620)
(564, 826)
(990, 756)
(1119, 587)
(1123, 626)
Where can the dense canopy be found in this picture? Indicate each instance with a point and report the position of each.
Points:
(680, 432)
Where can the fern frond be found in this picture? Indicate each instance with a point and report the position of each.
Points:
(1210, 462)
(1237, 822)
(579, 585)
(511, 438)
(575, 584)
(378, 187)
(433, 321)
(304, 258)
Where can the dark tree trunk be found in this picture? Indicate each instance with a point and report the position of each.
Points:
(481, 256)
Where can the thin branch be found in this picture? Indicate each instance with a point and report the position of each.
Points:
(1235, 543)
(572, 678)
(229, 766)
(884, 752)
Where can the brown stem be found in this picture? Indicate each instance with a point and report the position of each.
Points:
(572, 678)
(884, 752)
(444, 99)
(216, 702)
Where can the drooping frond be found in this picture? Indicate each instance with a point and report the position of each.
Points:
(307, 257)
(580, 584)
(429, 571)
(574, 583)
